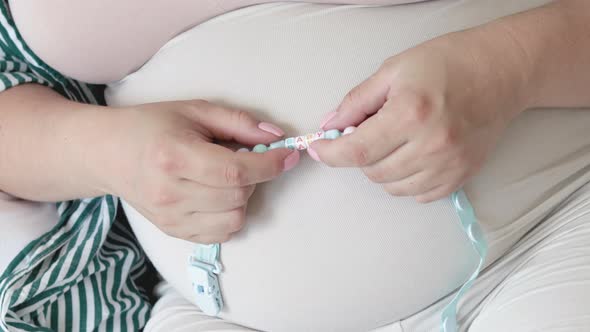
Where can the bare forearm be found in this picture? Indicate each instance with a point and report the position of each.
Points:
(49, 145)
(554, 42)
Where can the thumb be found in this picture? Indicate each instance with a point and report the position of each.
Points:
(233, 125)
(360, 103)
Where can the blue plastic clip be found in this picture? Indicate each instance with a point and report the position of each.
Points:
(204, 269)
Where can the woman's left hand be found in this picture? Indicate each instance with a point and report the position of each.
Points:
(430, 116)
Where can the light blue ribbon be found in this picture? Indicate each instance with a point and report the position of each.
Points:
(206, 258)
(475, 235)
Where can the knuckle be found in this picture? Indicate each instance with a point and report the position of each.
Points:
(385, 65)
(163, 220)
(442, 192)
(194, 107)
(424, 199)
(359, 155)
(223, 238)
(186, 137)
(206, 240)
(163, 157)
(171, 231)
(449, 138)
(163, 196)
(445, 140)
(212, 239)
(240, 196)
(447, 190)
(279, 166)
(353, 96)
(396, 190)
(240, 117)
(275, 165)
(375, 175)
(420, 107)
(391, 61)
(235, 174)
(236, 221)
(197, 104)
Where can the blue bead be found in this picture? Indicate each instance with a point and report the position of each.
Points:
(277, 145)
(290, 143)
(260, 148)
(332, 134)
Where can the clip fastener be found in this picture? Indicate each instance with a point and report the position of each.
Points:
(205, 281)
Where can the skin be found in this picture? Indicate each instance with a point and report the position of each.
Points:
(429, 117)
(47, 28)
(161, 157)
(448, 101)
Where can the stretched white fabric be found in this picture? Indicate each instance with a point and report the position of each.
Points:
(325, 249)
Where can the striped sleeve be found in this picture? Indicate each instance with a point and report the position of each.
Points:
(83, 274)
(13, 71)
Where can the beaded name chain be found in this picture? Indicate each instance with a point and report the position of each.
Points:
(302, 142)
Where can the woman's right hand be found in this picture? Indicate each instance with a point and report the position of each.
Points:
(171, 170)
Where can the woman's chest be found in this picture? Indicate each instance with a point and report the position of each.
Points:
(103, 41)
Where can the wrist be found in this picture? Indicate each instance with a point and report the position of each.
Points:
(546, 42)
(94, 151)
(506, 70)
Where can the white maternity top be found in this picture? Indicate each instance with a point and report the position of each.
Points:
(325, 249)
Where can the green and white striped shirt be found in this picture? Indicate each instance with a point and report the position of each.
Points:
(80, 276)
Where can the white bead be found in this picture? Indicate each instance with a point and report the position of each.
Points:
(349, 130)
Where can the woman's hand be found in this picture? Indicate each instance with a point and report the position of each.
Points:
(171, 170)
(429, 116)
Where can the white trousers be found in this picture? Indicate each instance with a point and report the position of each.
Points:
(326, 250)
(541, 284)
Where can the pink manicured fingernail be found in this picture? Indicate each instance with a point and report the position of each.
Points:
(243, 150)
(327, 119)
(291, 161)
(270, 128)
(313, 154)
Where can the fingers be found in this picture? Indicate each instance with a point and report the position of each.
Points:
(372, 141)
(211, 199)
(210, 239)
(219, 223)
(412, 185)
(396, 166)
(205, 227)
(231, 124)
(361, 102)
(426, 186)
(217, 166)
(436, 194)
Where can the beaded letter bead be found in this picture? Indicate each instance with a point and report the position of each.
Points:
(302, 142)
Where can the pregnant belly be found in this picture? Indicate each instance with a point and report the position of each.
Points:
(324, 248)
